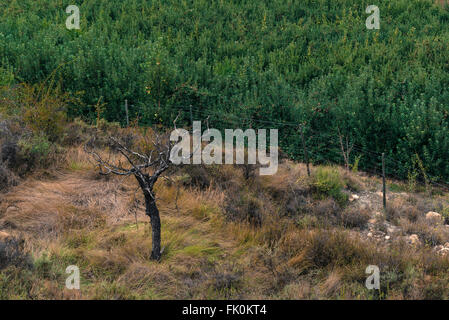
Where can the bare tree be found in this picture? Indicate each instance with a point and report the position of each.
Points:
(346, 147)
(146, 166)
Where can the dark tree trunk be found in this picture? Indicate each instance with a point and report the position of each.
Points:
(155, 220)
(145, 179)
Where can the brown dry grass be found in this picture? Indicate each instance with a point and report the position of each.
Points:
(74, 216)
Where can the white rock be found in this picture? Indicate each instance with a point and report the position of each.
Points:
(387, 237)
(446, 245)
(433, 216)
(414, 239)
(444, 251)
(393, 229)
(370, 234)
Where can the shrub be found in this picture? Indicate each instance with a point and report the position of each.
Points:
(355, 166)
(6, 76)
(197, 176)
(76, 132)
(110, 127)
(44, 110)
(11, 253)
(35, 152)
(245, 208)
(351, 182)
(398, 209)
(327, 181)
(307, 221)
(226, 282)
(7, 178)
(35, 149)
(294, 204)
(334, 248)
(430, 234)
(354, 218)
(9, 151)
(327, 211)
(445, 214)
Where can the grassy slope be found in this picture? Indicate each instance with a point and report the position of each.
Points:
(74, 217)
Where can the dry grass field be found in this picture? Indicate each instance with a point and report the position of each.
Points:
(285, 236)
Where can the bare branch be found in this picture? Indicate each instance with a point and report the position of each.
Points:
(158, 158)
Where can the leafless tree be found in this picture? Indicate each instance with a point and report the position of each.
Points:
(146, 166)
(345, 147)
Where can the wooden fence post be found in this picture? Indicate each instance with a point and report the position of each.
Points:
(191, 118)
(306, 155)
(127, 113)
(384, 183)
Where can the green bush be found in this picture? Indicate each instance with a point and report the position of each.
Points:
(44, 112)
(35, 152)
(445, 214)
(327, 181)
(6, 76)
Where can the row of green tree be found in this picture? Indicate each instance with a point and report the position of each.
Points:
(250, 63)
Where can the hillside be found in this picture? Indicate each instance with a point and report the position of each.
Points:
(79, 104)
(284, 236)
(251, 64)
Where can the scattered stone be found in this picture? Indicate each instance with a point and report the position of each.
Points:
(387, 237)
(372, 221)
(353, 197)
(444, 251)
(414, 239)
(4, 236)
(370, 234)
(392, 229)
(446, 245)
(434, 217)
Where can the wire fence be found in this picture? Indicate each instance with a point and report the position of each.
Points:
(332, 147)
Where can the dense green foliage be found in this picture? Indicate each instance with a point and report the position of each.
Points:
(270, 61)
